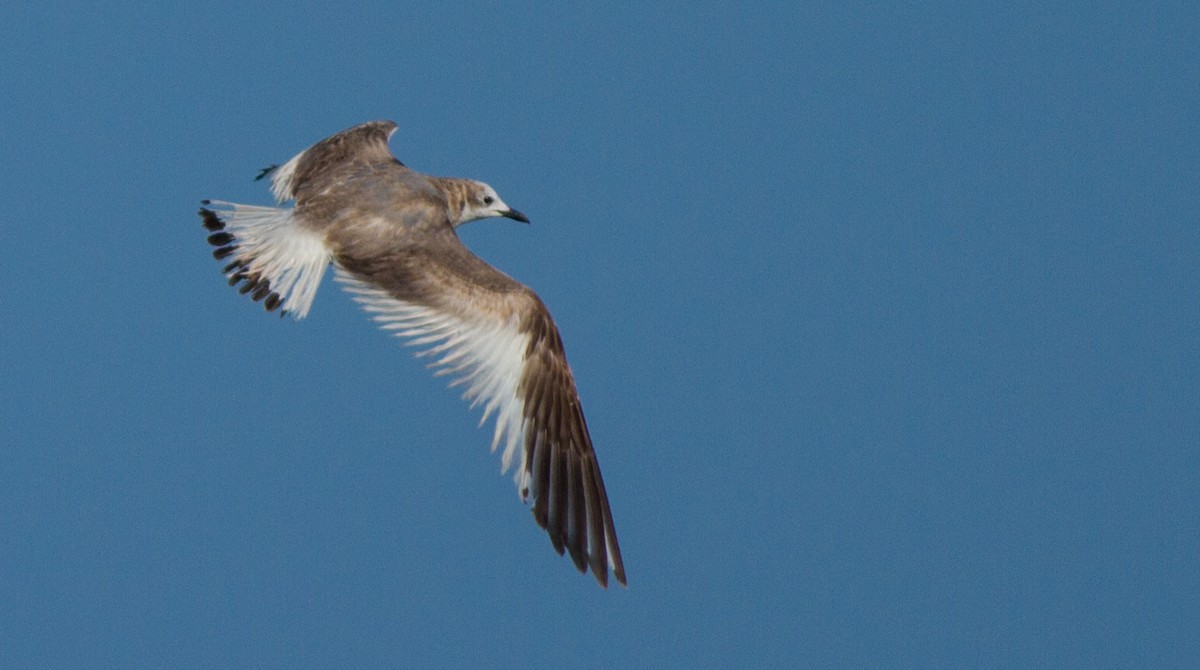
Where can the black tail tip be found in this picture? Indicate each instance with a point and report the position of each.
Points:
(210, 220)
(220, 239)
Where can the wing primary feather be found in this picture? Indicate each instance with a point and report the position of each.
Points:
(558, 490)
(506, 355)
(610, 533)
(549, 416)
(541, 476)
(266, 171)
(597, 554)
(577, 526)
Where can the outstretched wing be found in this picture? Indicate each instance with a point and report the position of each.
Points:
(496, 338)
(311, 170)
(279, 255)
(492, 334)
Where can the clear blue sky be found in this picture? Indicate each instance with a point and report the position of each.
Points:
(885, 321)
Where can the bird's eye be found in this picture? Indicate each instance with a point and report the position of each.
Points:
(487, 200)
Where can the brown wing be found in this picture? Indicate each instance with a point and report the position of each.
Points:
(310, 171)
(569, 497)
(497, 339)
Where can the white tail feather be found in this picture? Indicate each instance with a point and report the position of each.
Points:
(272, 244)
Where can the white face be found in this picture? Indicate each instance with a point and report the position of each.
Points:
(485, 203)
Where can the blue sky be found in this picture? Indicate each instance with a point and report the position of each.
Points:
(884, 319)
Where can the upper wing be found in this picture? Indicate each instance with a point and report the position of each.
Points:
(311, 170)
(497, 339)
(278, 255)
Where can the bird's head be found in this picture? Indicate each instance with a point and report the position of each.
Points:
(482, 202)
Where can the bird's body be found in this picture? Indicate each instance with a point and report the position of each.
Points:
(389, 232)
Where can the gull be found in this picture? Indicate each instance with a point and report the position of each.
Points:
(389, 233)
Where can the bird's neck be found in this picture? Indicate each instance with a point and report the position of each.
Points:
(455, 192)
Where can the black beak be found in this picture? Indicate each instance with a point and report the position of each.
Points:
(515, 215)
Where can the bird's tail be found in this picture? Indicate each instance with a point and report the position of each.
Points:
(273, 257)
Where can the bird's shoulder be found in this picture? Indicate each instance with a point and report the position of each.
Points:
(433, 268)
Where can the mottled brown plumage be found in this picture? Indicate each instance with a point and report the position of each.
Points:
(389, 231)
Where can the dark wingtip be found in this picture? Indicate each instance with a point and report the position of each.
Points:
(599, 566)
(580, 561)
(266, 171)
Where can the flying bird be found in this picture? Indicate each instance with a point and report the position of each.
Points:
(389, 232)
